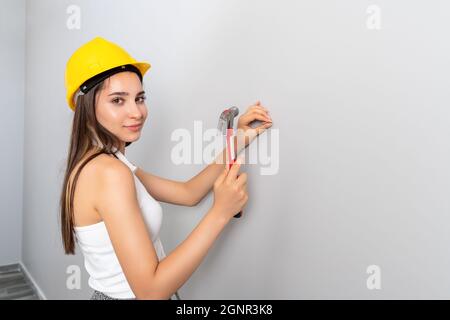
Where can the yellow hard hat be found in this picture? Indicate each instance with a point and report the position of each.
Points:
(96, 58)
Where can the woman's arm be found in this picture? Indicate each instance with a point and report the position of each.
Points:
(165, 190)
(190, 193)
(148, 278)
(202, 183)
(176, 268)
(184, 193)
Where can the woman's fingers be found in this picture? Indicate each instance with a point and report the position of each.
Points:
(262, 114)
(258, 106)
(256, 112)
(247, 120)
(233, 171)
(222, 176)
(241, 179)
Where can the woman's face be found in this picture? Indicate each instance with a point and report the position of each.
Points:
(121, 104)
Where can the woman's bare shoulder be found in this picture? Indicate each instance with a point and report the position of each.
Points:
(95, 165)
(102, 169)
(89, 186)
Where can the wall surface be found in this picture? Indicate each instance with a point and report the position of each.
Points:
(12, 84)
(358, 173)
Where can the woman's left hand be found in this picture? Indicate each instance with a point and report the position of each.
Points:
(254, 112)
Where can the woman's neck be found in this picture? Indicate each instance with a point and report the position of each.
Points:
(122, 147)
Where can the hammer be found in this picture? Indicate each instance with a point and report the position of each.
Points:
(225, 125)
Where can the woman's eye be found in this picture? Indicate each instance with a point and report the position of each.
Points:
(141, 99)
(119, 100)
(116, 100)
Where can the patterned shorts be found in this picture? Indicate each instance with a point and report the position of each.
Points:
(97, 295)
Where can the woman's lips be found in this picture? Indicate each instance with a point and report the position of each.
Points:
(134, 128)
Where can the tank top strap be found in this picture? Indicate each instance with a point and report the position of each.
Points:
(119, 155)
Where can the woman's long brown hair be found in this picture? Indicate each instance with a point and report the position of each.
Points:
(87, 134)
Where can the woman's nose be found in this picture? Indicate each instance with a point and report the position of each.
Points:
(134, 110)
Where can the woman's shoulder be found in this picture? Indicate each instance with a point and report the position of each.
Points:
(90, 184)
(101, 166)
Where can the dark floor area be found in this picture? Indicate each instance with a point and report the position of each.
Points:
(15, 285)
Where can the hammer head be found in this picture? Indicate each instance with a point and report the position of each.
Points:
(226, 119)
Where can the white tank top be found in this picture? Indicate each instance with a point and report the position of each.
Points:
(100, 260)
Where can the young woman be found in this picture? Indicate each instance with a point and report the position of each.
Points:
(109, 206)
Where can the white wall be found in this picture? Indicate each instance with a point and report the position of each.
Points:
(363, 119)
(12, 84)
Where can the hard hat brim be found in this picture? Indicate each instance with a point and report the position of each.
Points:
(142, 66)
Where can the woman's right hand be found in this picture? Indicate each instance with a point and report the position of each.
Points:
(230, 191)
